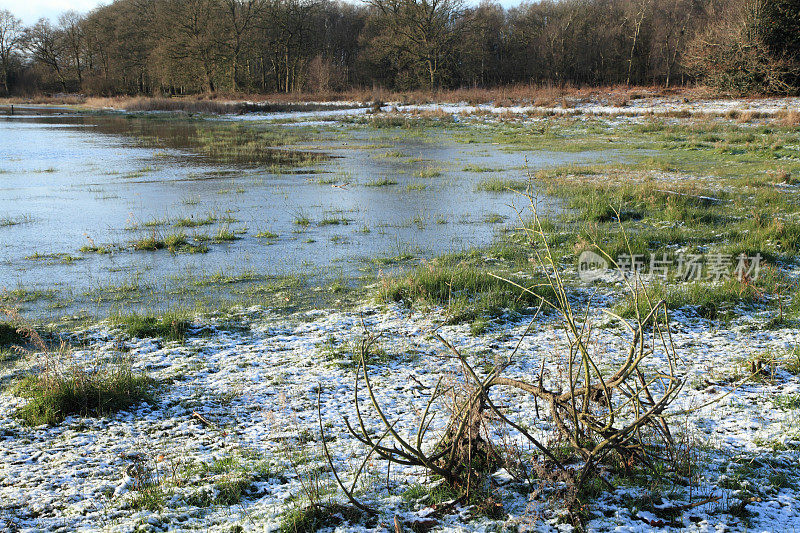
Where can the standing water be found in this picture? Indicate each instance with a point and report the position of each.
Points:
(92, 201)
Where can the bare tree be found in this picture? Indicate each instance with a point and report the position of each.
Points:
(240, 18)
(424, 30)
(71, 26)
(731, 54)
(189, 29)
(288, 26)
(46, 45)
(11, 34)
(639, 10)
(673, 21)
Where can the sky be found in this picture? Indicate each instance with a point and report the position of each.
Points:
(31, 10)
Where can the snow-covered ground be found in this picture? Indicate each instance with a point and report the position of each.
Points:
(250, 397)
(673, 105)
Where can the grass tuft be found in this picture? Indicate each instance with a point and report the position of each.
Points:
(317, 516)
(76, 391)
(171, 326)
(467, 292)
(708, 300)
(501, 185)
(382, 182)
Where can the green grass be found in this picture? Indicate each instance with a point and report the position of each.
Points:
(774, 239)
(416, 186)
(467, 291)
(168, 326)
(428, 172)
(151, 497)
(155, 223)
(787, 401)
(348, 354)
(254, 146)
(6, 221)
(381, 182)
(53, 258)
(494, 218)
(149, 244)
(312, 518)
(174, 242)
(224, 235)
(95, 249)
(24, 295)
(330, 220)
(83, 392)
(429, 495)
(707, 299)
(233, 479)
(302, 220)
(478, 168)
(501, 185)
(191, 222)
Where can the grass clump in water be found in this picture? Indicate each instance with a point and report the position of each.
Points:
(266, 235)
(416, 186)
(302, 220)
(502, 185)
(7, 221)
(428, 172)
(478, 168)
(383, 182)
(174, 242)
(191, 222)
(95, 249)
(334, 221)
(225, 235)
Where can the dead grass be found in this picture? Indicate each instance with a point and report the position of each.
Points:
(543, 95)
(202, 105)
(789, 118)
(43, 99)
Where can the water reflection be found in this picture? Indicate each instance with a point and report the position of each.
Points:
(71, 180)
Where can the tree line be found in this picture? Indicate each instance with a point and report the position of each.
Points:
(202, 46)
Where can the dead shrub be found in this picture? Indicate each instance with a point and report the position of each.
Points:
(605, 411)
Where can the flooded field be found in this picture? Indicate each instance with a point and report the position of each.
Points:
(220, 316)
(105, 210)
